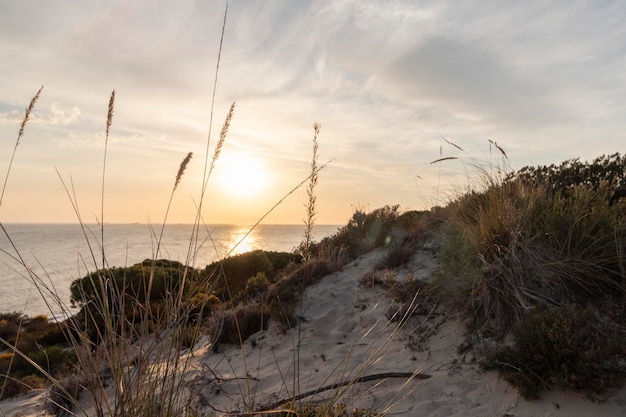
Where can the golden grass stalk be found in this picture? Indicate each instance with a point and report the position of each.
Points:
(179, 175)
(181, 169)
(206, 158)
(311, 203)
(160, 379)
(110, 113)
(193, 242)
(222, 139)
(104, 164)
(27, 115)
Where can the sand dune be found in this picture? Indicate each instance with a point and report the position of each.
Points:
(346, 334)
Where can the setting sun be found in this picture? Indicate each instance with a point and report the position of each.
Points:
(241, 175)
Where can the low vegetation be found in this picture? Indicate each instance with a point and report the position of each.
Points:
(565, 348)
(363, 232)
(538, 254)
(43, 350)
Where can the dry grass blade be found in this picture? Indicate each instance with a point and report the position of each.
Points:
(181, 169)
(501, 150)
(447, 158)
(27, 114)
(217, 70)
(495, 144)
(110, 113)
(310, 208)
(179, 175)
(104, 164)
(193, 243)
(453, 144)
(220, 142)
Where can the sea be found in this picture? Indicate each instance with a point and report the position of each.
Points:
(54, 255)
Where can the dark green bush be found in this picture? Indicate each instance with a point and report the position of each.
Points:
(514, 246)
(116, 299)
(558, 180)
(34, 332)
(202, 306)
(397, 257)
(235, 326)
(161, 277)
(17, 386)
(230, 276)
(256, 286)
(52, 360)
(563, 348)
(9, 325)
(363, 232)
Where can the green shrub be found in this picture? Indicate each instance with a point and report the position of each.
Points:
(201, 306)
(514, 246)
(52, 360)
(256, 286)
(115, 300)
(6, 361)
(230, 276)
(563, 348)
(558, 180)
(397, 257)
(161, 277)
(10, 325)
(32, 331)
(363, 232)
(235, 326)
(17, 386)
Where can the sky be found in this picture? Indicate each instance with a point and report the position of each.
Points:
(391, 82)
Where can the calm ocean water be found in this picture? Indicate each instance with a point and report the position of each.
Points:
(60, 253)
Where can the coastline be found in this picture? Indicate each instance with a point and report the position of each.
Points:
(364, 342)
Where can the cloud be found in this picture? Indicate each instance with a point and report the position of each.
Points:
(465, 77)
(386, 78)
(11, 117)
(59, 116)
(56, 115)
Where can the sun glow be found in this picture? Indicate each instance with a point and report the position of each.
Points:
(242, 175)
(241, 241)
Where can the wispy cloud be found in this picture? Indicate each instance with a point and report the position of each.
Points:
(387, 78)
(55, 115)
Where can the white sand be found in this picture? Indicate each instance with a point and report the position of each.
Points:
(347, 335)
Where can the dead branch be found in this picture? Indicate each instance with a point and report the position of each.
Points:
(359, 380)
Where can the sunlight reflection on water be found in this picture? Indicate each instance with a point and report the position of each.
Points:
(59, 254)
(242, 240)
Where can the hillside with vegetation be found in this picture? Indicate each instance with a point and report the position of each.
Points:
(531, 262)
(533, 258)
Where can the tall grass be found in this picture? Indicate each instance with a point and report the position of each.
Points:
(512, 245)
(134, 342)
(133, 337)
(538, 254)
(16, 254)
(136, 345)
(104, 164)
